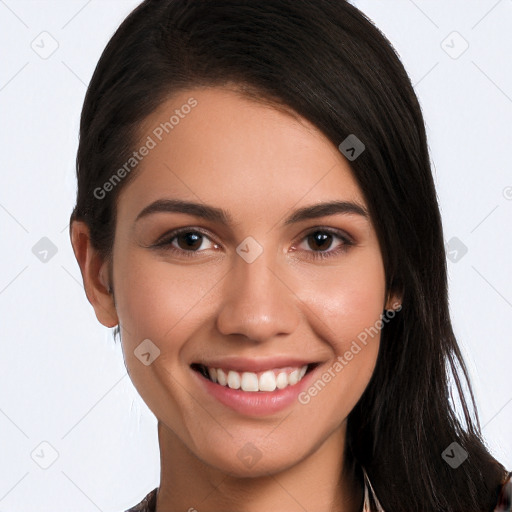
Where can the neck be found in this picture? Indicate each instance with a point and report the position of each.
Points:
(318, 482)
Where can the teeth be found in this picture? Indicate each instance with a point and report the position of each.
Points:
(249, 381)
(269, 380)
(213, 374)
(234, 380)
(282, 380)
(293, 378)
(222, 378)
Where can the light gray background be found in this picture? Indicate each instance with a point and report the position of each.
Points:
(63, 382)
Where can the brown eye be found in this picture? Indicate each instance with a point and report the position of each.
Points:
(320, 240)
(185, 242)
(190, 240)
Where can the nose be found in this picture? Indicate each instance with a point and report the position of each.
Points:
(258, 302)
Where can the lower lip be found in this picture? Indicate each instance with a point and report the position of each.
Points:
(255, 403)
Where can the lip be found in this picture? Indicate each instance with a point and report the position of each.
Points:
(256, 403)
(242, 364)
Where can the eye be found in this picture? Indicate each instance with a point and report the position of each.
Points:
(185, 242)
(188, 241)
(321, 239)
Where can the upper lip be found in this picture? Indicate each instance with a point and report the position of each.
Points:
(243, 364)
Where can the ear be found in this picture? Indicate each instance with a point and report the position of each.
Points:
(95, 274)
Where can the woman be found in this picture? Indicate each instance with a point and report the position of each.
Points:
(256, 213)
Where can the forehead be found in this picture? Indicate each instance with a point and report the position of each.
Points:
(217, 146)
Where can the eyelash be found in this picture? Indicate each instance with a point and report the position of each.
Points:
(317, 255)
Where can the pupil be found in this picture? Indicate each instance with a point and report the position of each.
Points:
(320, 238)
(190, 240)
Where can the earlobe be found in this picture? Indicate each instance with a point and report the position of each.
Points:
(95, 274)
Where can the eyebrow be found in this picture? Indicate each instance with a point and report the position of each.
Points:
(220, 216)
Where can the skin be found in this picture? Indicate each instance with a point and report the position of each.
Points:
(260, 164)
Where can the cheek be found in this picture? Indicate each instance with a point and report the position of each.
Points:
(346, 300)
(161, 302)
(346, 306)
(155, 298)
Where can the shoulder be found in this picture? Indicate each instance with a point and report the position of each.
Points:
(504, 503)
(148, 504)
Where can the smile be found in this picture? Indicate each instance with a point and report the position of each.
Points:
(268, 380)
(254, 387)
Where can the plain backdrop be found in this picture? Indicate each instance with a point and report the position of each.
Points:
(74, 433)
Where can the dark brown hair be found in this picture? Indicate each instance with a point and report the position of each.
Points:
(325, 60)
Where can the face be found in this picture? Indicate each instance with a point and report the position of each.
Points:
(251, 279)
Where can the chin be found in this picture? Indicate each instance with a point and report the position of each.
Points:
(248, 461)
